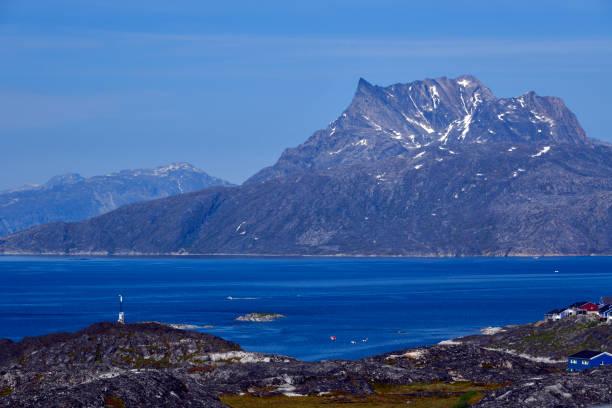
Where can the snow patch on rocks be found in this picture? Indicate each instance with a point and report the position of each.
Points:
(242, 357)
(413, 354)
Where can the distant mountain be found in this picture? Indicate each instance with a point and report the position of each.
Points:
(394, 121)
(71, 197)
(433, 167)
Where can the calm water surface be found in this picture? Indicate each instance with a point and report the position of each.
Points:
(391, 303)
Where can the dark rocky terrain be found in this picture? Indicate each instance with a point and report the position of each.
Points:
(71, 197)
(590, 389)
(554, 340)
(437, 167)
(152, 365)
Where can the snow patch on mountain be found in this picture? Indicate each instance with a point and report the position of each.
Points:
(544, 150)
(423, 126)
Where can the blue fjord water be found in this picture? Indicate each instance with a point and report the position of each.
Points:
(391, 303)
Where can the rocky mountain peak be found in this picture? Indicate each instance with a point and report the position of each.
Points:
(403, 119)
(364, 86)
(176, 167)
(416, 113)
(172, 169)
(63, 179)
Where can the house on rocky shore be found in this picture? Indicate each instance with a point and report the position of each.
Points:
(586, 359)
(601, 309)
(588, 308)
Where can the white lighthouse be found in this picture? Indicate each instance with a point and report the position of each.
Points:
(121, 319)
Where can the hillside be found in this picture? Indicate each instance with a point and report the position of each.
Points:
(153, 365)
(71, 197)
(553, 340)
(438, 167)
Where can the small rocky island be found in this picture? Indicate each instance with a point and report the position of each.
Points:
(259, 317)
(153, 365)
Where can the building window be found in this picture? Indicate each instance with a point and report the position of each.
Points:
(573, 361)
(585, 363)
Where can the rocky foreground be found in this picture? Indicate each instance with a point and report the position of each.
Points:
(153, 365)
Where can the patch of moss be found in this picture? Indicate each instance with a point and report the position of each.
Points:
(6, 391)
(153, 349)
(458, 387)
(201, 369)
(339, 401)
(188, 356)
(141, 362)
(421, 395)
(110, 401)
(98, 358)
(468, 399)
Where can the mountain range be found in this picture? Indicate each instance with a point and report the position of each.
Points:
(437, 167)
(71, 197)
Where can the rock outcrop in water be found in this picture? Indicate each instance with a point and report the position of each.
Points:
(259, 317)
(152, 365)
(436, 167)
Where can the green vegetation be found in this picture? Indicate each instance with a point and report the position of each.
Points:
(422, 395)
(6, 391)
(558, 339)
(142, 362)
(467, 399)
(98, 358)
(434, 387)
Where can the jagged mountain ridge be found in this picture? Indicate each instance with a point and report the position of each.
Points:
(400, 119)
(512, 176)
(71, 197)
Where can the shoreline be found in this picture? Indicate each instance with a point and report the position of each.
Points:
(135, 255)
(152, 364)
(192, 328)
(464, 340)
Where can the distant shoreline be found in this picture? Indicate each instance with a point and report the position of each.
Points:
(281, 256)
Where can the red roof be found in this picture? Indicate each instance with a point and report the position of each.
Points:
(589, 307)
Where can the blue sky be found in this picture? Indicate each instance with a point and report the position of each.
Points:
(97, 86)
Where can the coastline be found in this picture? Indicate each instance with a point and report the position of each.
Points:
(96, 254)
(149, 364)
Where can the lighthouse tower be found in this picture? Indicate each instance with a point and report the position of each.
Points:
(121, 319)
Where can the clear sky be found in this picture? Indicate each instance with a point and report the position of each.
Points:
(99, 85)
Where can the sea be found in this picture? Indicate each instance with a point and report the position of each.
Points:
(334, 308)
